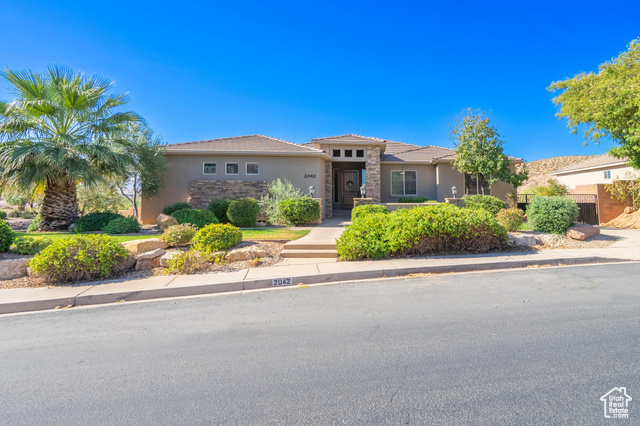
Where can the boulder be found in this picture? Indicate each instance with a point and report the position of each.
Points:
(511, 240)
(149, 260)
(125, 264)
(135, 247)
(581, 232)
(164, 221)
(13, 268)
(165, 258)
(245, 253)
(527, 241)
(629, 210)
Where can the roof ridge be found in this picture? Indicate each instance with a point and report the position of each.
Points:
(290, 143)
(243, 137)
(215, 139)
(353, 134)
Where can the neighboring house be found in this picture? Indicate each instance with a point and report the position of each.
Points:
(599, 170)
(335, 167)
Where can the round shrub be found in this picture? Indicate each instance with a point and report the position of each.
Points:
(122, 225)
(219, 207)
(35, 224)
(365, 238)
(486, 202)
(3, 214)
(188, 262)
(6, 236)
(214, 238)
(243, 212)
(552, 214)
(413, 199)
(367, 209)
(300, 210)
(197, 217)
(511, 218)
(179, 235)
(79, 257)
(172, 208)
(30, 245)
(95, 221)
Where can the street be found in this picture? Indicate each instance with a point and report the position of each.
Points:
(532, 346)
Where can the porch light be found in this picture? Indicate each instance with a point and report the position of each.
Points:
(312, 191)
(363, 191)
(454, 191)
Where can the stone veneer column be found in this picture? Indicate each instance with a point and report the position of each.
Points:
(373, 173)
(328, 184)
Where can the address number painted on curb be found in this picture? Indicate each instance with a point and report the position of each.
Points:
(282, 281)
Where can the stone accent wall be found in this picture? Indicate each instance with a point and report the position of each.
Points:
(458, 202)
(201, 192)
(328, 184)
(608, 207)
(373, 173)
(361, 202)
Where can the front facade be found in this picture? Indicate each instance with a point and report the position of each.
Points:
(336, 169)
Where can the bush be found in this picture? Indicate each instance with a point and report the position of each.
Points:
(300, 210)
(243, 212)
(79, 257)
(198, 218)
(213, 238)
(15, 213)
(187, 262)
(219, 207)
(278, 192)
(421, 230)
(413, 199)
(486, 202)
(35, 224)
(511, 218)
(367, 209)
(179, 235)
(552, 214)
(122, 225)
(172, 208)
(552, 189)
(30, 245)
(95, 221)
(6, 236)
(3, 214)
(24, 214)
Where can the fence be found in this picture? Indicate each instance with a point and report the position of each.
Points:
(588, 204)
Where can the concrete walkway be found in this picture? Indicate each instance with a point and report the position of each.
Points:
(319, 246)
(32, 299)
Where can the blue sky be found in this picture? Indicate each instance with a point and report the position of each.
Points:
(299, 70)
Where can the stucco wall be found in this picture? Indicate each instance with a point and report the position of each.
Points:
(426, 176)
(447, 177)
(608, 207)
(592, 177)
(183, 169)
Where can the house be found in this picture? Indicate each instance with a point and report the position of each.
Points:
(335, 169)
(602, 169)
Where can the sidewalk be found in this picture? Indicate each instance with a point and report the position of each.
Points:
(32, 299)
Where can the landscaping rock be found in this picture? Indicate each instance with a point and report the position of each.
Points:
(13, 268)
(125, 265)
(165, 258)
(527, 240)
(581, 232)
(246, 253)
(629, 210)
(511, 240)
(135, 247)
(149, 260)
(164, 221)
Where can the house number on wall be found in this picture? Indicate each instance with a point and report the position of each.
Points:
(309, 176)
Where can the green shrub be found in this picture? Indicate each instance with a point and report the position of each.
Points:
(6, 236)
(24, 214)
(188, 262)
(179, 235)
(219, 207)
(213, 238)
(421, 230)
(413, 199)
(30, 245)
(15, 213)
(552, 214)
(122, 225)
(95, 221)
(367, 209)
(511, 218)
(79, 257)
(300, 210)
(243, 213)
(172, 208)
(278, 191)
(486, 202)
(197, 217)
(35, 224)
(3, 214)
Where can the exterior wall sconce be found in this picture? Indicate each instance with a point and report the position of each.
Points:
(363, 191)
(312, 191)
(454, 191)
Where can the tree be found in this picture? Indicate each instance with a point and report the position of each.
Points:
(553, 188)
(99, 198)
(607, 103)
(479, 151)
(626, 190)
(59, 130)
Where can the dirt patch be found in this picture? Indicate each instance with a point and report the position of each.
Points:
(554, 241)
(625, 221)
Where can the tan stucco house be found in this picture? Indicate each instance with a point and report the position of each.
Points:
(336, 167)
(602, 169)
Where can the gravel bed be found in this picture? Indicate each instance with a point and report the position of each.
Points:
(554, 241)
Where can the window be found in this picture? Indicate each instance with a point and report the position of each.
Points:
(336, 153)
(348, 153)
(209, 168)
(471, 186)
(607, 174)
(404, 182)
(232, 168)
(360, 153)
(252, 168)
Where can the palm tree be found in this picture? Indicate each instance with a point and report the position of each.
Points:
(60, 129)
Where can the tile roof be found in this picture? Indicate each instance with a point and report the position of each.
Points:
(418, 153)
(350, 139)
(252, 143)
(603, 160)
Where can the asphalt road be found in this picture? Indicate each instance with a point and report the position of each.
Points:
(536, 346)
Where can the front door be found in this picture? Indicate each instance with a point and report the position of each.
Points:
(350, 187)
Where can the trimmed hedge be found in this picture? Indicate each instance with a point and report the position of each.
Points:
(300, 210)
(243, 213)
(219, 207)
(486, 202)
(6, 236)
(122, 225)
(95, 221)
(196, 217)
(172, 208)
(421, 230)
(511, 218)
(367, 209)
(413, 199)
(213, 238)
(552, 214)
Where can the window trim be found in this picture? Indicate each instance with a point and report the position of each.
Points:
(360, 151)
(226, 170)
(404, 185)
(246, 168)
(350, 151)
(204, 164)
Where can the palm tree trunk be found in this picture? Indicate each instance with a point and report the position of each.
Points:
(59, 206)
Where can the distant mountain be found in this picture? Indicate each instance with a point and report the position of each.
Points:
(539, 170)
